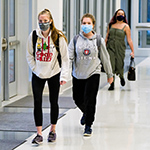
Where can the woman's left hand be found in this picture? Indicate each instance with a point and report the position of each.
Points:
(110, 80)
(62, 82)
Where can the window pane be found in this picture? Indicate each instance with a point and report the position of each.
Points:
(144, 39)
(12, 18)
(86, 6)
(144, 11)
(11, 65)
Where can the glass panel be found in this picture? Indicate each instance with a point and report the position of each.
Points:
(0, 75)
(65, 16)
(77, 16)
(11, 65)
(144, 39)
(12, 18)
(144, 11)
(95, 11)
(108, 12)
(86, 6)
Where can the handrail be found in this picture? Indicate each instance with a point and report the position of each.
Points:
(143, 26)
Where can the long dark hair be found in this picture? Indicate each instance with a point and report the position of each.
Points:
(114, 20)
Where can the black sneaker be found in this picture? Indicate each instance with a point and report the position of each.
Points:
(51, 137)
(122, 81)
(38, 139)
(82, 121)
(111, 87)
(87, 131)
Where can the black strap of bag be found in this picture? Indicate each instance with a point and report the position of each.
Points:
(34, 39)
(58, 50)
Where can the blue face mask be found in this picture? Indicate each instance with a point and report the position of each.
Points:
(86, 28)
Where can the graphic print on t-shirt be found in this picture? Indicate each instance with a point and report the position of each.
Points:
(43, 50)
(86, 52)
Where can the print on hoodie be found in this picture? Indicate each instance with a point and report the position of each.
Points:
(43, 50)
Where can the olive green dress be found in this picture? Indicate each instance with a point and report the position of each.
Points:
(116, 48)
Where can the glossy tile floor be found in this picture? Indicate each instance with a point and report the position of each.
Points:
(122, 120)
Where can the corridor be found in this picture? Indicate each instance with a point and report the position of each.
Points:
(122, 119)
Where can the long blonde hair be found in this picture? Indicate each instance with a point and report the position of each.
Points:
(55, 32)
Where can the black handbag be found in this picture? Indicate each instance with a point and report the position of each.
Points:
(131, 72)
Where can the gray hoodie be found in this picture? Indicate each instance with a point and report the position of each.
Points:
(86, 63)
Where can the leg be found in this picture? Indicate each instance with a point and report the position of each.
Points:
(91, 90)
(37, 87)
(53, 84)
(113, 62)
(78, 93)
(120, 68)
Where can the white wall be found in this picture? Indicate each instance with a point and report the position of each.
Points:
(22, 35)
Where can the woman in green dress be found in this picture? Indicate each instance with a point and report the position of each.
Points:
(117, 30)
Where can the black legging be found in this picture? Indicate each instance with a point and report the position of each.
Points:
(84, 94)
(38, 87)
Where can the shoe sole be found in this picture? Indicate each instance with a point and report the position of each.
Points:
(86, 134)
(37, 143)
(82, 124)
(51, 141)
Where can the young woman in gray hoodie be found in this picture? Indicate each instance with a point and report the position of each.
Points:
(86, 70)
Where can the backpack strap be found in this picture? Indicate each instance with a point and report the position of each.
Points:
(34, 40)
(98, 42)
(74, 43)
(58, 50)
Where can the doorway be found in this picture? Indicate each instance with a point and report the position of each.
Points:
(141, 26)
(8, 49)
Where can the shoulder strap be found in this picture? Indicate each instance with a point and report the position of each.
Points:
(58, 50)
(123, 27)
(57, 44)
(74, 43)
(34, 39)
(98, 42)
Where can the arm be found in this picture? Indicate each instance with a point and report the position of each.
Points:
(71, 52)
(106, 39)
(29, 53)
(106, 61)
(128, 34)
(64, 60)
